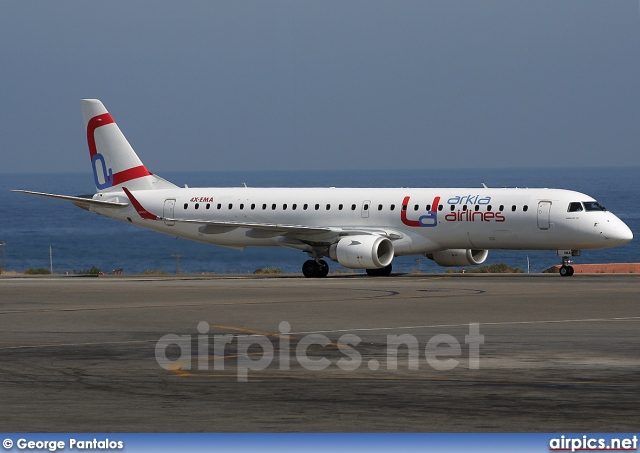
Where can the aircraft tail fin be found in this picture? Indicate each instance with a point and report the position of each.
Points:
(113, 160)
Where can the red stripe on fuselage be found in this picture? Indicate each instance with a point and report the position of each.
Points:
(403, 214)
(93, 124)
(138, 207)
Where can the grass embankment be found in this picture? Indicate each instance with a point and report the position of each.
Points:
(268, 270)
(498, 268)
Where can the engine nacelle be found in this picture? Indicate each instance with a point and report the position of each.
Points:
(459, 257)
(362, 252)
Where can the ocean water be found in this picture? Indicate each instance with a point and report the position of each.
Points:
(79, 239)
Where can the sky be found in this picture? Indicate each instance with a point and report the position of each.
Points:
(323, 85)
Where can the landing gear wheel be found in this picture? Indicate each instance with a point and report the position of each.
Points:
(566, 271)
(323, 270)
(384, 272)
(311, 269)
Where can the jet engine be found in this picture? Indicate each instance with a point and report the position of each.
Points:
(362, 252)
(459, 257)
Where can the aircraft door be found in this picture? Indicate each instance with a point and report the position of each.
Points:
(366, 205)
(168, 212)
(544, 210)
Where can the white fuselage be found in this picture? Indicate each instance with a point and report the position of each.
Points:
(464, 219)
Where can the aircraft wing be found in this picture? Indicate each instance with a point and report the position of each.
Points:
(81, 202)
(213, 227)
(285, 228)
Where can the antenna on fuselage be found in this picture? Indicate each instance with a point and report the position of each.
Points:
(484, 185)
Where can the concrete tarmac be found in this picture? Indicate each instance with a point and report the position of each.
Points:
(553, 354)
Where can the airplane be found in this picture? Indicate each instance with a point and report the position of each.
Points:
(359, 228)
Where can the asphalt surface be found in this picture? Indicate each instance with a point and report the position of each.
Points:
(550, 354)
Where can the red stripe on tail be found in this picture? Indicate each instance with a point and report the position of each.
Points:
(128, 175)
(93, 124)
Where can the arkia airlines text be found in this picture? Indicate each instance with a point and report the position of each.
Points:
(358, 228)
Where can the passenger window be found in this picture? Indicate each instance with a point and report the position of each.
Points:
(230, 205)
(575, 207)
(186, 205)
(428, 207)
(392, 207)
(464, 208)
(208, 205)
(525, 208)
(328, 207)
(439, 207)
(197, 205)
(404, 207)
(294, 206)
(379, 207)
(264, 206)
(477, 208)
(284, 207)
(219, 206)
(305, 206)
(273, 207)
(317, 207)
(253, 206)
(353, 207)
(241, 206)
(416, 207)
(513, 208)
(340, 207)
(453, 207)
(501, 207)
(366, 207)
(488, 208)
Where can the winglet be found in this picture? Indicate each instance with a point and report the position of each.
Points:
(140, 210)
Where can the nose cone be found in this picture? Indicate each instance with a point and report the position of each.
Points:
(620, 233)
(624, 233)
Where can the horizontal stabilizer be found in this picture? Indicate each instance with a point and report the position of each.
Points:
(81, 202)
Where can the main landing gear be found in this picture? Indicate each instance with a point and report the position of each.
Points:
(315, 269)
(320, 269)
(383, 272)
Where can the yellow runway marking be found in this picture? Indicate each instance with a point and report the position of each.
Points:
(178, 370)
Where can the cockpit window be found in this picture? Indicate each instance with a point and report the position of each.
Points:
(593, 206)
(575, 207)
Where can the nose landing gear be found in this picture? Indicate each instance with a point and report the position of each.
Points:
(566, 270)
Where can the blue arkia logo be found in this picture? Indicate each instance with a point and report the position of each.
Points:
(104, 174)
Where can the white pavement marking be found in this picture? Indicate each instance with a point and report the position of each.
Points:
(506, 323)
